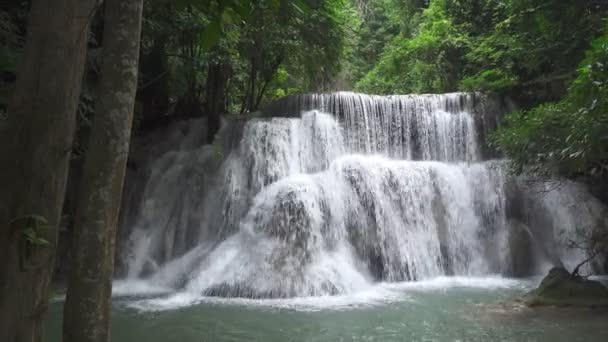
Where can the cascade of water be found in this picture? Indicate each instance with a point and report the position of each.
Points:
(445, 127)
(560, 215)
(189, 199)
(381, 189)
(389, 220)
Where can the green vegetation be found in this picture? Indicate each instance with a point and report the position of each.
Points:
(428, 60)
(240, 53)
(32, 225)
(569, 137)
(561, 288)
(209, 57)
(528, 49)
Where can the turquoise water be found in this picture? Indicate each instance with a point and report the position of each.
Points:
(445, 309)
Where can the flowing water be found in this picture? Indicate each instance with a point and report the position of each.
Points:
(340, 217)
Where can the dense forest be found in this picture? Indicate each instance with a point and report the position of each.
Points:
(207, 58)
(79, 78)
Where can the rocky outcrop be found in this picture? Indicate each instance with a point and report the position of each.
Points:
(560, 288)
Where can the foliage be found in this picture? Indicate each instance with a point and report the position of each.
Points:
(207, 57)
(566, 137)
(256, 50)
(532, 48)
(31, 227)
(525, 48)
(494, 80)
(429, 61)
(373, 24)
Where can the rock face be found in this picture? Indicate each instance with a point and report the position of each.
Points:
(559, 288)
(521, 250)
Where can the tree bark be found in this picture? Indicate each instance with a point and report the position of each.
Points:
(250, 94)
(87, 307)
(215, 99)
(37, 140)
(154, 86)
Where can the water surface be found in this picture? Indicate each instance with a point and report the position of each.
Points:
(444, 309)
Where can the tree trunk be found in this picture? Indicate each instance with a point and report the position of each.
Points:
(37, 142)
(250, 94)
(254, 77)
(215, 99)
(87, 307)
(154, 86)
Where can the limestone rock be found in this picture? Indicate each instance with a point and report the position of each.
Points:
(559, 288)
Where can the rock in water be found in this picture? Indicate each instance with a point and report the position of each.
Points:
(560, 288)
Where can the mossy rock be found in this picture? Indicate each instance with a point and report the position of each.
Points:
(560, 288)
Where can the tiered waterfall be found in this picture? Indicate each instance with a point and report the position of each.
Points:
(327, 194)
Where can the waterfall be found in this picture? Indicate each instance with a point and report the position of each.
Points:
(327, 194)
(445, 127)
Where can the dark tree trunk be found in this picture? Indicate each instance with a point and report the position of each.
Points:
(266, 81)
(154, 91)
(260, 96)
(87, 307)
(37, 142)
(249, 101)
(215, 99)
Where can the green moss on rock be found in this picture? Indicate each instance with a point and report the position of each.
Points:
(560, 288)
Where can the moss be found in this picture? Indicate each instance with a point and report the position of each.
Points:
(559, 288)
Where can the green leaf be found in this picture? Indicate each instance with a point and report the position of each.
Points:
(211, 34)
(31, 237)
(301, 6)
(29, 233)
(40, 242)
(243, 8)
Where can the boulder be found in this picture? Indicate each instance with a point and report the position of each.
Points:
(560, 288)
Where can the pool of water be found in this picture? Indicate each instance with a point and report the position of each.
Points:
(444, 309)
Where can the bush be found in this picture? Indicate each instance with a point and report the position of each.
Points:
(570, 137)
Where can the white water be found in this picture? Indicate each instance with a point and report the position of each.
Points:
(332, 204)
(424, 127)
(372, 295)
